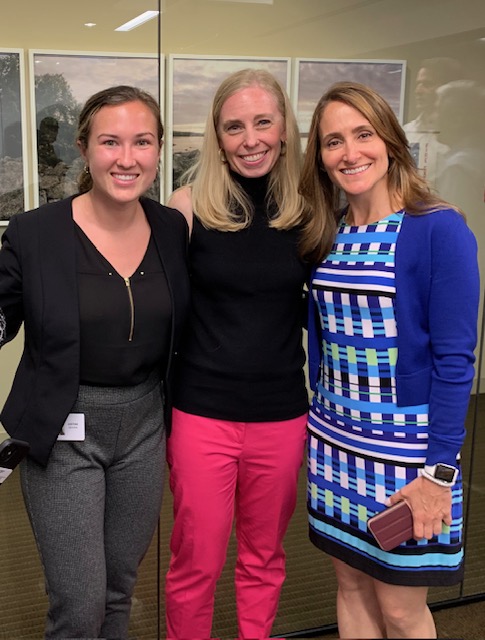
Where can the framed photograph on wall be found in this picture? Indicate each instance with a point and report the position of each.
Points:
(62, 81)
(193, 81)
(13, 138)
(311, 78)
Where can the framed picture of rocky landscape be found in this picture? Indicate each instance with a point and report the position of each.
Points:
(192, 83)
(62, 82)
(13, 144)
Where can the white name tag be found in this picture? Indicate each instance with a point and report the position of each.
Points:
(73, 428)
(4, 473)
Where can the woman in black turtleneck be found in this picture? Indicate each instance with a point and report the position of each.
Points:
(240, 401)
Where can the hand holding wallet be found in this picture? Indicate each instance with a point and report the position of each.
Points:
(393, 526)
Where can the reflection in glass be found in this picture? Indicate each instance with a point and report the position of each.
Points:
(11, 161)
(461, 126)
(63, 82)
(423, 131)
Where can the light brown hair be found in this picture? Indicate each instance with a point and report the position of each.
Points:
(112, 96)
(324, 198)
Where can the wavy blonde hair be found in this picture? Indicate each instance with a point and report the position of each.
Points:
(217, 199)
(324, 198)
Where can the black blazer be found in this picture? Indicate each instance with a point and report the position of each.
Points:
(38, 286)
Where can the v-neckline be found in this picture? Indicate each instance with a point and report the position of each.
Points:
(106, 261)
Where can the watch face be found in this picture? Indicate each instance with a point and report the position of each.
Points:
(445, 473)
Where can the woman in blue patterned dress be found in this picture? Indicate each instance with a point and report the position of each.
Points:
(392, 330)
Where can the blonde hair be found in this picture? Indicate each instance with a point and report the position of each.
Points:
(112, 96)
(324, 198)
(217, 199)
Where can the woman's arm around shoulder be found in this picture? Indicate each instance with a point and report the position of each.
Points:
(181, 199)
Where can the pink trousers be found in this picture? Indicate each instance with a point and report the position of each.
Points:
(221, 469)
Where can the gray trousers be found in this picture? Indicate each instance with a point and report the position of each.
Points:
(95, 507)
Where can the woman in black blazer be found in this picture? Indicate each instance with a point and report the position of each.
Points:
(100, 282)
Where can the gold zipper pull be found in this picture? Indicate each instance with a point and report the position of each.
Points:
(132, 308)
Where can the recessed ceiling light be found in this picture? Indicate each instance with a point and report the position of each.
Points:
(89, 24)
(136, 22)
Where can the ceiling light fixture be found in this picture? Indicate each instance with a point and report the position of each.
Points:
(89, 24)
(136, 22)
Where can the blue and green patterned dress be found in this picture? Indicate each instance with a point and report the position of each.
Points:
(362, 446)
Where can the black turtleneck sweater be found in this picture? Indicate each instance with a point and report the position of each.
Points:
(242, 358)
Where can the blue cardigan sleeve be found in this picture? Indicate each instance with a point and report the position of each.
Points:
(453, 315)
(437, 295)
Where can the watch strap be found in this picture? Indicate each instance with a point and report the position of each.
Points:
(443, 474)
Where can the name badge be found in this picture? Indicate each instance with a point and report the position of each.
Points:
(73, 428)
(4, 473)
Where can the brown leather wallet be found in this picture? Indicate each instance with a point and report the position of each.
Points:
(392, 526)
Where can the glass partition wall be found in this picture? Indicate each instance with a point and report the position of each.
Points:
(52, 56)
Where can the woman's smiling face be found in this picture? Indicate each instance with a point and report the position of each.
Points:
(123, 151)
(251, 130)
(354, 156)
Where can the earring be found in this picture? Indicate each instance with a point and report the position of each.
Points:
(283, 148)
(222, 156)
(86, 169)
